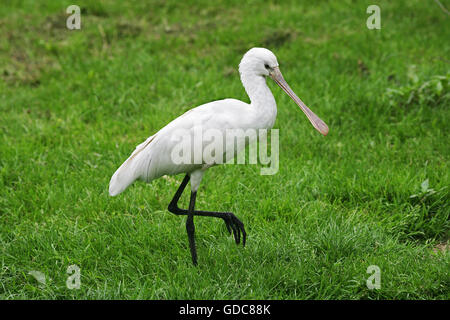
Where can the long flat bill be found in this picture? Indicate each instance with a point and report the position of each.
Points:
(315, 120)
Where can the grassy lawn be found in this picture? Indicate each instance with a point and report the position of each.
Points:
(375, 191)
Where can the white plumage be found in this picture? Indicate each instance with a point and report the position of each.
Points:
(154, 157)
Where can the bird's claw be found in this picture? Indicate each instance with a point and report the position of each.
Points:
(236, 226)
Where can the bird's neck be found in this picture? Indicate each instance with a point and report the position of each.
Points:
(261, 98)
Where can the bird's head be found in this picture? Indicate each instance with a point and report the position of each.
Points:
(258, 61)
(262, 62)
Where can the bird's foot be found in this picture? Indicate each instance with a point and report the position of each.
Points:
(236, 226)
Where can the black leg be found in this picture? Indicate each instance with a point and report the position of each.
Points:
(232, 223)
(190, 228)
(173, 205)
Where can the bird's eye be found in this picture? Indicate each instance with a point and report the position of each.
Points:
(267, 66)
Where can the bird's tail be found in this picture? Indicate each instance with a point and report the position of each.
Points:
(121, 179)
(129, 171)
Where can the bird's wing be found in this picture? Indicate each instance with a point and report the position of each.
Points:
(154, 157)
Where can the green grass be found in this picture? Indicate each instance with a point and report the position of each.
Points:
(74, 104)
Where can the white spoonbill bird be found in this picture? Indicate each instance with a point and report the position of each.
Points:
(153, 158)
